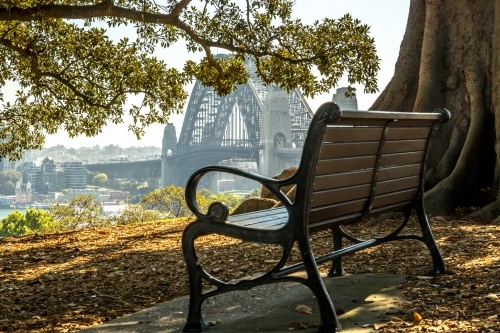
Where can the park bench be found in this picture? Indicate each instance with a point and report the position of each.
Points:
(354, 165)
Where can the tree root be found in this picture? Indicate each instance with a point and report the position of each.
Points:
(488, 212)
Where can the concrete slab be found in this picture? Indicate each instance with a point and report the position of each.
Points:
(366, 299)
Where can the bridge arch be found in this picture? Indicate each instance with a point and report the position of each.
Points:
(207, 136)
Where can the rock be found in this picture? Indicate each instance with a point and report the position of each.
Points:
(287, 173)
(267, 200)
(254, 204)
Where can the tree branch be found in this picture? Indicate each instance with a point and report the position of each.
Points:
(105, 8)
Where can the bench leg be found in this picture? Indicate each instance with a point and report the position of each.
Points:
(194, 321)
(329, 320)
(337, 269)
(438, 265)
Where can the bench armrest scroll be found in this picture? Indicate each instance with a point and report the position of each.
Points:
(218, 211)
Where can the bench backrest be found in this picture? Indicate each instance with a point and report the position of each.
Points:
(363, 163)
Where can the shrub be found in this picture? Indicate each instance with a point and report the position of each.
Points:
(81, 211)
(18, 224)
(138, 214)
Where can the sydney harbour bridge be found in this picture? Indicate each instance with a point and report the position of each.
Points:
(225, 128)
(217, 129)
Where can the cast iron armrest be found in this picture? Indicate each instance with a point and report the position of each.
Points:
(218, 211)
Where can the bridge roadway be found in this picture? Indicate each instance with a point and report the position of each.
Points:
(124, 169)
(184, 163)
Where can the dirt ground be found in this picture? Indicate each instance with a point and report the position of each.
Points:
(66, 281)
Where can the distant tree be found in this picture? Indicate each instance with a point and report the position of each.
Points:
(138, 214)
(10, 175)
(76, 78)
(8, 188)
(90, 176)
(169, 200)
(254, 194)
(100, 179)
(123, 185)
(81, 211)
(18, 224)
(232, 201)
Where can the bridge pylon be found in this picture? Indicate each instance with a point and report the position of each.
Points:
(169, 170)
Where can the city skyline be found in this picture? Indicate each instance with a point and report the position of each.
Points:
(387, 20)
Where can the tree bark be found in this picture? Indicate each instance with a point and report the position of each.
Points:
(449, 58)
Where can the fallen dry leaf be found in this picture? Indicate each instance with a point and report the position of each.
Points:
(303, 309)
(417, 318)
(297, 326)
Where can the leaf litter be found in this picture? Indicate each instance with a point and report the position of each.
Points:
(67, 281)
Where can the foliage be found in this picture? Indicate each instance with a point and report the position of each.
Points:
(169, 200)
(81, 211)
(138, 214)
(232, 201)
(90, 176)
(123, 185)
(8, 179)
(8, 188)
(100, 179)
(254, 194)
(74, 77)
(18, 224)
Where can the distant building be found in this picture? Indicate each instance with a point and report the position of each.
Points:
(112, 150)
(7, 164)
(154, 182)
(23, 193)
(346, 103)
(75, 174)
(29, 171)
(224, 185)
(50, 177)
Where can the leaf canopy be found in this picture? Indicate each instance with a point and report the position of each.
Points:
(73, 76)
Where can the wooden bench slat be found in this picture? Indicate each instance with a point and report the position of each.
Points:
(252, 215)
(272, 218)
(338, 134)
(332, 166)
(321, 198)
(267, 224)
(352, 134)
(346, 219)
(340, 209)
(408, 133)
(396, 185)
(394, 198)
(402, 159)
(381, 123)
(342, 150)
(338, 180)
(345, 208)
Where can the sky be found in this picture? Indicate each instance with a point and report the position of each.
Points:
(387, 19)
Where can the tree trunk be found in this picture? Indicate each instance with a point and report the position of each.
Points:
(449, 58)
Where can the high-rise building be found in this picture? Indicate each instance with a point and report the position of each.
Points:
(29, 171)
(75, 174)
(50, 177)
(6, 164)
